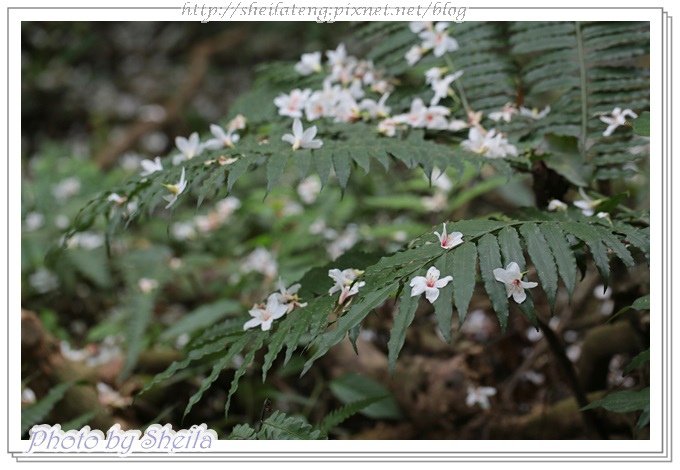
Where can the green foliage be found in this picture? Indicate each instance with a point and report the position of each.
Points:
(38, 411)
(354, 388)
(626, 401)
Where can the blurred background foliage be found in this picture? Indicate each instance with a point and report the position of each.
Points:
(112, 311)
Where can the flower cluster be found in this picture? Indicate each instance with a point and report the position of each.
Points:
(208, 222)
(434, 37)
(345, 282)
(278, 304)
(431, 282)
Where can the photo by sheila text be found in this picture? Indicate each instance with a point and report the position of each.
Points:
(48, 439)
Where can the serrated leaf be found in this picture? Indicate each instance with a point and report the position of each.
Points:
(194, 355)
(464, 271)
(406, 312)
(590, 237)
(616, 246)
(443, 306)
(490, 259)
(342, 165)
(240, 372)
(37, 412)
(276, 164)
(564, 256)
(511, 247)
(338, 416)
(202, 317)
(353, 317)
(221, 364)
(542, 258)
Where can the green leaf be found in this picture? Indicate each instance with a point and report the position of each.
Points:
(564, 256)
(240, 372)
(591, 238)
(464, 277)
(338, 416)
(275, 166)
(342, 165)
(194, 355)
(353, 317)
(79, 421)
(221, 364)
(542, 258)
(277, 341)
(37, 412)
(490, 259)
(402, 320)
(203, 316)
(351, 388)
(511, 247)
(641, 124)
(641, 303)
(139, 312)
(623, 402)
(443, 306)
(279, 426)
(637, 362)
(616, 246)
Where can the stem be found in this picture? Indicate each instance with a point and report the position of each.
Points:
(589, 416)
(459, 86)
(584, 91)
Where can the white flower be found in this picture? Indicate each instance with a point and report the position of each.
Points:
(435, 203)
(292, 104)
(414, 55)
(147, 285)
(449, 241)
(376, 110)
(33, 221)
(221, 138)
(288, 296)
(439, 39)
(617, 118)
(587, 204)
(309, 63)
(491, 144)
(117, 199)
(434, 73)
(512, 278)
(418, 26)
(110, 397)
(457, 124)
(301, 138)
(435, 117)
(261, 261)
(190, 147)
(264, 315)
(175, 189)
(557, 205)
(237, 123)
(309, 189)
(440, 180)
(442, 87)
(183, 231)
(345, 283)
(27, 396)
(534, 113)
(479, 395)
(43, 281)
(343, 242)
(388, 127)
(151, 166)
(416, 115)
(430, 284)
(338, 56)
(504, 114)
(66, 188)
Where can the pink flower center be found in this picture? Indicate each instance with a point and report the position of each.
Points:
(516, 282)
(430, 282)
